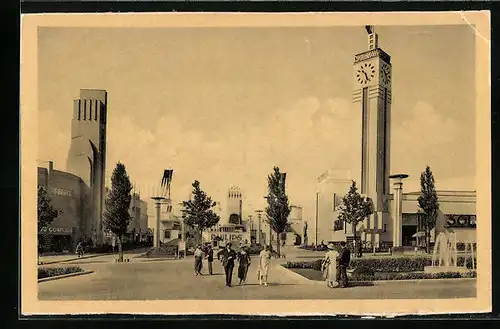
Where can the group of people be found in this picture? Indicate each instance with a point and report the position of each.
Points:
(335, 264)
(228, 256)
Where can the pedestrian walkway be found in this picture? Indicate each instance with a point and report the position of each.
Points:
(175, 279)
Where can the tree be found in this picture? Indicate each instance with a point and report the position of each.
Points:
(46, 213)
(197, 212)
(355, 208)
(116, 214)
(278, 208)
(428, 204)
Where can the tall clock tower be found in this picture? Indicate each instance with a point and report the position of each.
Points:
(372, 99)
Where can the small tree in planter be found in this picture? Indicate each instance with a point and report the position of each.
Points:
(197, 213)
(428, 204)
(354, 208)
(116, 214)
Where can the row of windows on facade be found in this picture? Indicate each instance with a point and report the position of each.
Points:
(96, 107)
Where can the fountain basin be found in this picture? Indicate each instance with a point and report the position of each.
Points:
(443, 269)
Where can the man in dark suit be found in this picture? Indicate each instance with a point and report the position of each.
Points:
(210, 258)
(228, 255)
(344, 260)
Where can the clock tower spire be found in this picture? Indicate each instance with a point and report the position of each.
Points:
(372, 37)
(372, 100)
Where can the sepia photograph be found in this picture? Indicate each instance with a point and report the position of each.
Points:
(307, 163)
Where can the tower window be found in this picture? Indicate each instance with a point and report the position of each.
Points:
(90, 110)
(96, 106)
(84, 109)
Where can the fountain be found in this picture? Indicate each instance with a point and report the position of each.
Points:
(445, 255)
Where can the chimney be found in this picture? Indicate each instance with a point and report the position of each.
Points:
(51, 167)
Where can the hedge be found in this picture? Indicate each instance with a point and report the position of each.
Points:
(162, 251)
(410, 276)
(45, 272)
(400, 264)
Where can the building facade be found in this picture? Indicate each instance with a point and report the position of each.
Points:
(71, 195)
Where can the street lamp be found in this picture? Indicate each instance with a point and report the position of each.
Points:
(259, 212)
(158, 200)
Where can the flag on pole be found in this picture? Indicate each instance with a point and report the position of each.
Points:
(167, 178)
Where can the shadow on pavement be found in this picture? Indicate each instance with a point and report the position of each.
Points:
(361, 284)
(269, 284)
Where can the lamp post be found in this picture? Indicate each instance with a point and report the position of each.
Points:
(259, 218)
(316, 220)
(158, 200)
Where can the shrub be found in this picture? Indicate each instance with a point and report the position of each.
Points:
(398, 265)
(363, 270)
(163, 250)
(45, 272)
(410, 276)
(254, 249)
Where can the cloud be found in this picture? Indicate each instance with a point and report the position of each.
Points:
(53, 139)
(304, 140)
(424, 138)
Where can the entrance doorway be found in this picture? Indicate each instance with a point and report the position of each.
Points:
(407, 235)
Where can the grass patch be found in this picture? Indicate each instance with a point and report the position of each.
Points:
(46, 272)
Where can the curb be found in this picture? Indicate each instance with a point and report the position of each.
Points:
(297, 276)
(143, 260)
(51, 278)
(72, 259)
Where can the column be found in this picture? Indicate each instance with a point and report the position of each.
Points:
(397, 214)
(157, 233)
(258, 230)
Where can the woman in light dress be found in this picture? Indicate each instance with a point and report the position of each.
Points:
(264, 263)
(329, 266)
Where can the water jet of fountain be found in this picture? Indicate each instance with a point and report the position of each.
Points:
(445, 254)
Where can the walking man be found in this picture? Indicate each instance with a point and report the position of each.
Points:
(210, 259)
(228, 255)
(344, 260)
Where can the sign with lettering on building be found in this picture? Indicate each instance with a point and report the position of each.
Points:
(225, 237)
(461, 221)
(61, 191)
(56, 230)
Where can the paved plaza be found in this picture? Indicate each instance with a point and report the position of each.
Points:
(143, 279)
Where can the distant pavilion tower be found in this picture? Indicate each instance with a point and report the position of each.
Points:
(234, 206)
(87, 154)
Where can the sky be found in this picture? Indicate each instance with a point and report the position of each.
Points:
(225, 105)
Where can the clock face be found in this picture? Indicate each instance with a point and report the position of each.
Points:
(385, 74)
(365, 73)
